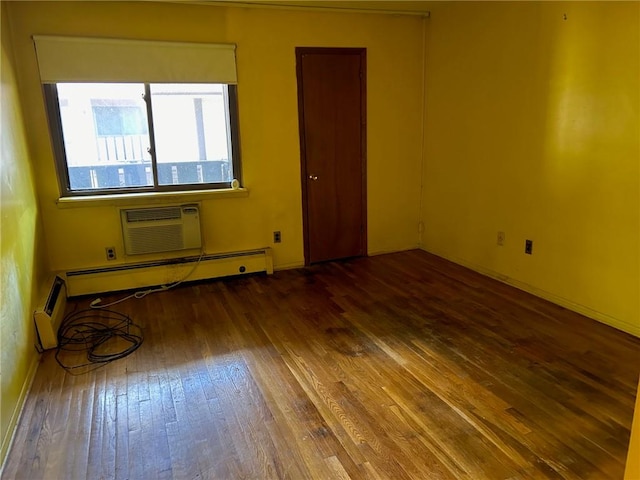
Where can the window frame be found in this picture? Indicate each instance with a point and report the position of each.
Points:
(54, 117)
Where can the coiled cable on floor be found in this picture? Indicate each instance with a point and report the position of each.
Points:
(89, 339)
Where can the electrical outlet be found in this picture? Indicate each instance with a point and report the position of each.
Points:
(277, 237)
(501, 239)
(528, 247)
(110, 252)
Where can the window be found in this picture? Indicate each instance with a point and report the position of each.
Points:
(140, 137)
(133, 116)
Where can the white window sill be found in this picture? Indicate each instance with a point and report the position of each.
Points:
(149, 198)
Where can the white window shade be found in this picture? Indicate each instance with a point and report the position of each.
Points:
(79, 59)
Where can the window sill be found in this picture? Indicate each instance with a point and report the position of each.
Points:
(149, 198)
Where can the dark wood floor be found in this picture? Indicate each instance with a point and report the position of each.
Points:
(398, 366)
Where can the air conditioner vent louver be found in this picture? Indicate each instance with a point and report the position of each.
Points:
(162, 229)
(151, 214)
(160, 238)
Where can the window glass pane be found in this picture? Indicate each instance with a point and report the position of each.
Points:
(119, 120)
(106, 137)
(192, 134)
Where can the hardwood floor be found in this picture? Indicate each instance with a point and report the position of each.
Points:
(401, 366)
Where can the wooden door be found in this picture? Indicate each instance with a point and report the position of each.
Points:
(332, 113)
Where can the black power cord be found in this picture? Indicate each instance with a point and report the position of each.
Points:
(89, 339)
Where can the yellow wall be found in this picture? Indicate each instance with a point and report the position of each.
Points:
(532, 128)
(23, 264)
(267, 92)
(632, 470)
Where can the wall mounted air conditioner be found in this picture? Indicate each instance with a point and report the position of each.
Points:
(161, 229)
(50, 313)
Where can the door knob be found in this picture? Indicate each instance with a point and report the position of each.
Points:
(313, 177)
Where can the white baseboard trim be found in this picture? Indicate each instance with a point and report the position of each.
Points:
(292, 265)
(129, 276)
(288, 266)
(375, 253)
(563, 302)
(7, 441)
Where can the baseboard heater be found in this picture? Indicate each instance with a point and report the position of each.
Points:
(50, 312)
(164, 272)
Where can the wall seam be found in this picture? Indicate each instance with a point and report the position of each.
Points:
(422, 131)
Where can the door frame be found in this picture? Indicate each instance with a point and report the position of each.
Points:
(362, 52)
